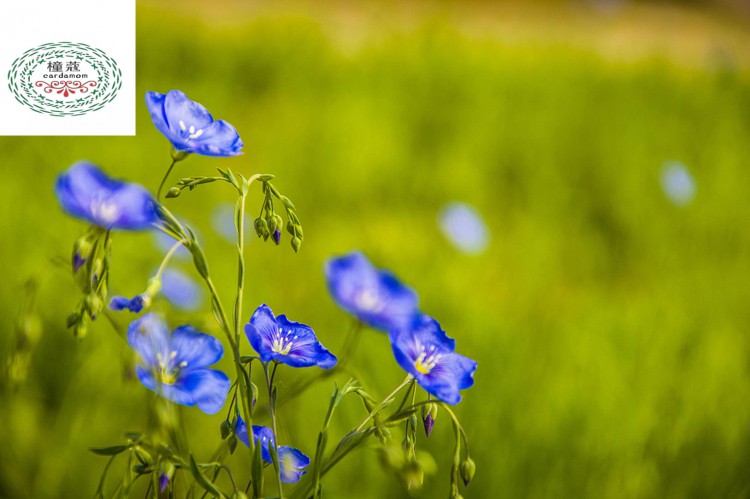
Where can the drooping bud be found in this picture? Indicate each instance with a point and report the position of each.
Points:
(173, 192)
(296, 243)
(226, 427)
(468, 468)
(277, 236)
(260, 226)
(413, 475)
(429, 415)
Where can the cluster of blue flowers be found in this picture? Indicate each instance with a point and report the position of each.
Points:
(177, 364)
(420, 346)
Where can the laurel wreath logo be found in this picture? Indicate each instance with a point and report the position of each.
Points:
(100, 90)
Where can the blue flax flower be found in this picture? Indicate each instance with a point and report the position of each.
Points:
(284, 341)
(374, 296)
(464, 227)
(181, 290)
(427, 353)
(190, 127)
(292, 462)
(135, 304)
(86, 192)
(176, 365)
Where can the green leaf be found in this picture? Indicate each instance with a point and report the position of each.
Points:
(109, 451)
(202, 480)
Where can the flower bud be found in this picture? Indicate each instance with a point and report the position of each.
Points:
(413, 475)
(94, 305)
(225, 428)
(468, 468)
(429, 415)
(290, 228)
(296, 243)
(276, 236)
(272, 225)
(260, 226)
(173, 192)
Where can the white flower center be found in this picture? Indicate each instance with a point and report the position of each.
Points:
(167, 371)
(427, 360)
(282, 342)
(192, 133)
(369, 301)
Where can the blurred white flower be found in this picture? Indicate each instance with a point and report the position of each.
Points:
(677, 182)
(463, 227)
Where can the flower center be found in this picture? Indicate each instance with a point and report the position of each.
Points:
(167, 371)
(282, 342)
(192, 133)
(369, 300)
(103, 210)
(427, 360)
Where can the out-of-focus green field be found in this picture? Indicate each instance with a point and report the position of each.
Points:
(610, 326)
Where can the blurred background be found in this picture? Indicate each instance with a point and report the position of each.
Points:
(563, 183)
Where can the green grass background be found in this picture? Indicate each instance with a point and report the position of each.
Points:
(610, 327)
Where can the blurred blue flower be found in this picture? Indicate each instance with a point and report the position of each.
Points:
(463, 227)
(292, 462)
(135, 304)
(181, 290)
(427, 353)
(222, 220)
(176, 365)
(284, 341)
(677, 182)
(374, 296)
(190, 127)
(262, 435)
(85, 192)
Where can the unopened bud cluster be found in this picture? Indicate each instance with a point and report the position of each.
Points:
(90, 266)
(270, 224)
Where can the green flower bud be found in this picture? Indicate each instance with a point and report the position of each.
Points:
(290, 228)
(173, 192)
(413, 475)
(271, 223)
(468, 468)
(261, 227)
(226, 428)
(296, 243)
(94, 305)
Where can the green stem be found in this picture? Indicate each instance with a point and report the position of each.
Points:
(385, 402)
(272, 410)
(168, 257)
(163, 180)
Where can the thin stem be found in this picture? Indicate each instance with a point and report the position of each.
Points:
(163, 180)
(167, 257)
(272, 410)
(385, 402)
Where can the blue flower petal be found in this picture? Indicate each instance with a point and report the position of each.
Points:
(262, 435)
(261, 330)
(197, 350)
(375, 297)
(155, 104)
(149, 336)
(427, 353)
(207, 387)
(292, 464)
(85, 192)
(181, 113)
(118, 303)
(218, 139)
(190, 127)
(285, 341)
(181, 290)
(175, 393)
